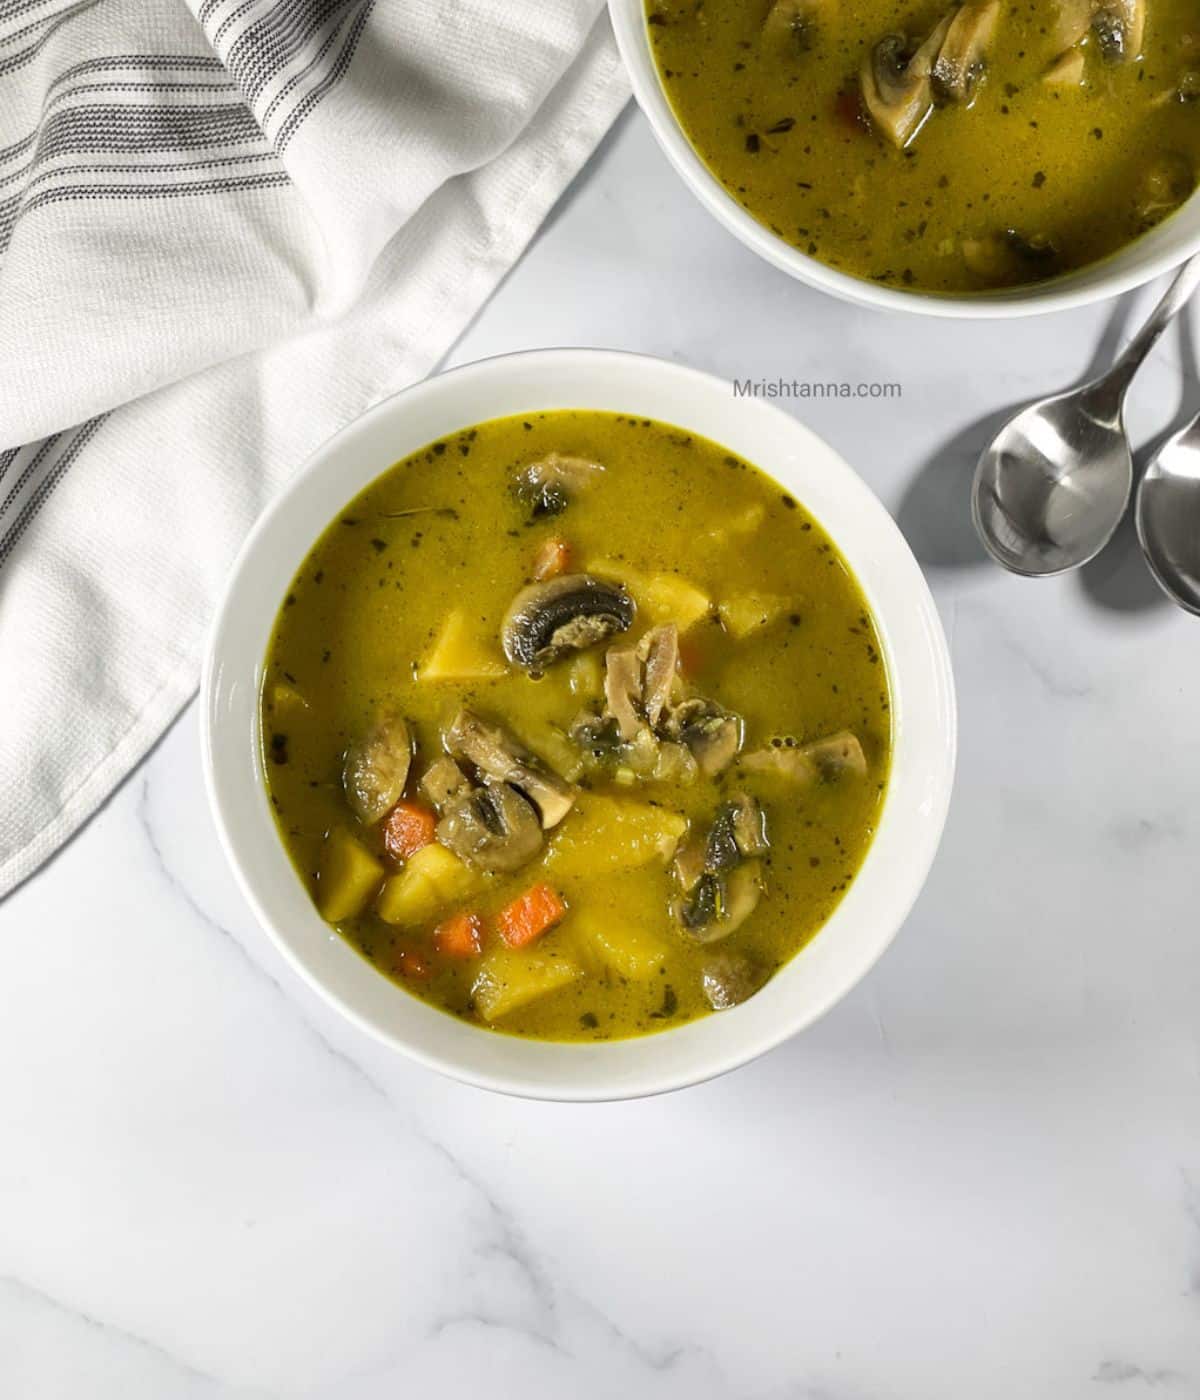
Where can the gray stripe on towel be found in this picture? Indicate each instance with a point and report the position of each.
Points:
(79, 438)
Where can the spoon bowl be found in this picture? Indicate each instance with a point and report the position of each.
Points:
(1053, 485)
(1167, 516)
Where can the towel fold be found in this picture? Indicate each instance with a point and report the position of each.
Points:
(225, 231)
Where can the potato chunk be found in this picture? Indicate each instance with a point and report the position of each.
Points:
(347, 877)
(585, 674)
(461, 654)
(671, 598)
(609, 833)
(552, 745)
(660, 597)
(612, 942)
(745, 522)
(286, 701)
(743, 613)
(509, 978)
(431, 879)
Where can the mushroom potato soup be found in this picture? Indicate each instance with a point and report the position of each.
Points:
(939, 146)
(576, 726)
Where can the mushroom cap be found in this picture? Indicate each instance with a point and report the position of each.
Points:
(960, 61)
(897, 85)
(730, 978)
(375, 769)
(719, 904)
(1120, 29)
(568, 613)
(444, 781)
(623, 688)
(498, 755)
(492, 827)
(659, 651)
(713, 735)
(549, 485)
(791, 22)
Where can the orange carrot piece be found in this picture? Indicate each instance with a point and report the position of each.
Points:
(412, 965)
(691, 656)
(553, 558)
(530, 915)
(460, 936)
(406, 828)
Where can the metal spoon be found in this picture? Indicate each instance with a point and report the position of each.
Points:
(1051, 489)
(1167, 515)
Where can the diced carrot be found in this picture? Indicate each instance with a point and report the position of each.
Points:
(460, 936)
(691, 657)
(553, 558)
(406, 828)
(530, 915)
(411, 964)
(848, 108)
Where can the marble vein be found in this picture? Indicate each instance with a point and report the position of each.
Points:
(1125, 1372)
(24, 1291)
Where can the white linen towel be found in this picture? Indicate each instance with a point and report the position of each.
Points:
(226, 229)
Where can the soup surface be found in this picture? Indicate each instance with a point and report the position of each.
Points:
(951, 148)
(576, 726)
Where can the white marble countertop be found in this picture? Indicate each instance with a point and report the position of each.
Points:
(978, 1177)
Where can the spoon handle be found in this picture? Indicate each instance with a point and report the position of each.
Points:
(1177, 296)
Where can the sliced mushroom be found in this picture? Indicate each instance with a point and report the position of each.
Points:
(792, 23)
(897, 83)
(721, 852)
(1009, 257)
(840, 753)
(376, 768)
(823, 760)
(1066, 70)
(1165, 184)
(749, 823)
(639, 680)
(641, 754)
(492, 827)
(688, 865)
(713, 735)
(718, 905)
(675, 764)
(549, 486)
(729, 979)
(659, 653)
(568, 613)
(962, 58)
(1120, 28)
(595, 735)
(499, 756)
(738, 831)
(444, 780)
(1074, 19)
(623, 689)
(1186, 91)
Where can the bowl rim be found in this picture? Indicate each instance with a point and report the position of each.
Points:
(230, 734)
(1082, 287)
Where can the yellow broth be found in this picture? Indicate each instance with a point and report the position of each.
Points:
(366, 607)
(1026, 180)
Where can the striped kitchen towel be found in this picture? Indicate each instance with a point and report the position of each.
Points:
(226, 229)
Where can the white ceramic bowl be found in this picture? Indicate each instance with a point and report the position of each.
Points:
(914, 649)
(1157, 252)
